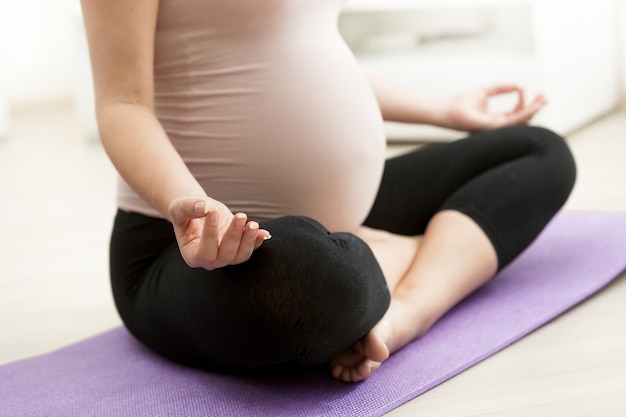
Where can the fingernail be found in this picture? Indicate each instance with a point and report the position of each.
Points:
(213, 218)
(268, 237)
(240, 221)
(199, 207)
(208, 208)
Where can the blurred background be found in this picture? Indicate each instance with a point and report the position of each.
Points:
(574, 51)
(58, 186)
(41, 56)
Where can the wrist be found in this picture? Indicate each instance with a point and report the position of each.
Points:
(442, 114)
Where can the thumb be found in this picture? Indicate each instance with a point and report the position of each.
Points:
(182, 209)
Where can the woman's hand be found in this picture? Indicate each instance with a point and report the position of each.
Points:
(469, 111)
(210, 236)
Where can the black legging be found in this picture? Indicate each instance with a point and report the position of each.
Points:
(306, 294)
(510, 181)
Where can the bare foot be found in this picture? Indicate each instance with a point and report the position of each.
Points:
(423, 283)
(364, 357)
(403, 323)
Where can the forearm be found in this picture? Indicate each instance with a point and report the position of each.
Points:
(400, 104)
(143, 155)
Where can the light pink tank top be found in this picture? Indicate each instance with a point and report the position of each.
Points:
(269, 109)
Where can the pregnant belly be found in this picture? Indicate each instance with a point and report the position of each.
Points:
(294, 130)
(318, 142)
(321, 157)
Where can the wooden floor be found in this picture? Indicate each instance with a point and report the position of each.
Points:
(55, 214)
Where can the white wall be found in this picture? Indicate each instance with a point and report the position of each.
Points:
(41, 58)
(621, 25)
(577, 46)
(565, 49)
(4, 115)
(37, 39)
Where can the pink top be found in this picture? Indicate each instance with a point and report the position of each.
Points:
(268, 108)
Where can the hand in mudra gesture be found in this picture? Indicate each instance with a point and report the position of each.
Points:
(469, 111)
(209, 235)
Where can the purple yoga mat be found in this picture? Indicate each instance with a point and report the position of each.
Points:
(112, 375)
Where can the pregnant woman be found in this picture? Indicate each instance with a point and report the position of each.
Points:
(259, 225)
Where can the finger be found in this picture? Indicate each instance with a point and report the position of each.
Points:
(508, 89)
(261, 237)
(229, 245)
(248, 241)
(503, 89)
(209, 241)
(527, 113)
(181, 210)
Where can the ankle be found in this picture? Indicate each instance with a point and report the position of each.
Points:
(407, 322)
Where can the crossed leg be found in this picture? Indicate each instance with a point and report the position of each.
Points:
(478, 203)
(453, 258)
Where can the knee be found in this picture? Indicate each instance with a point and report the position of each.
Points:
(556, 164)
(540, 137)
(559, 165)
(303, 296)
